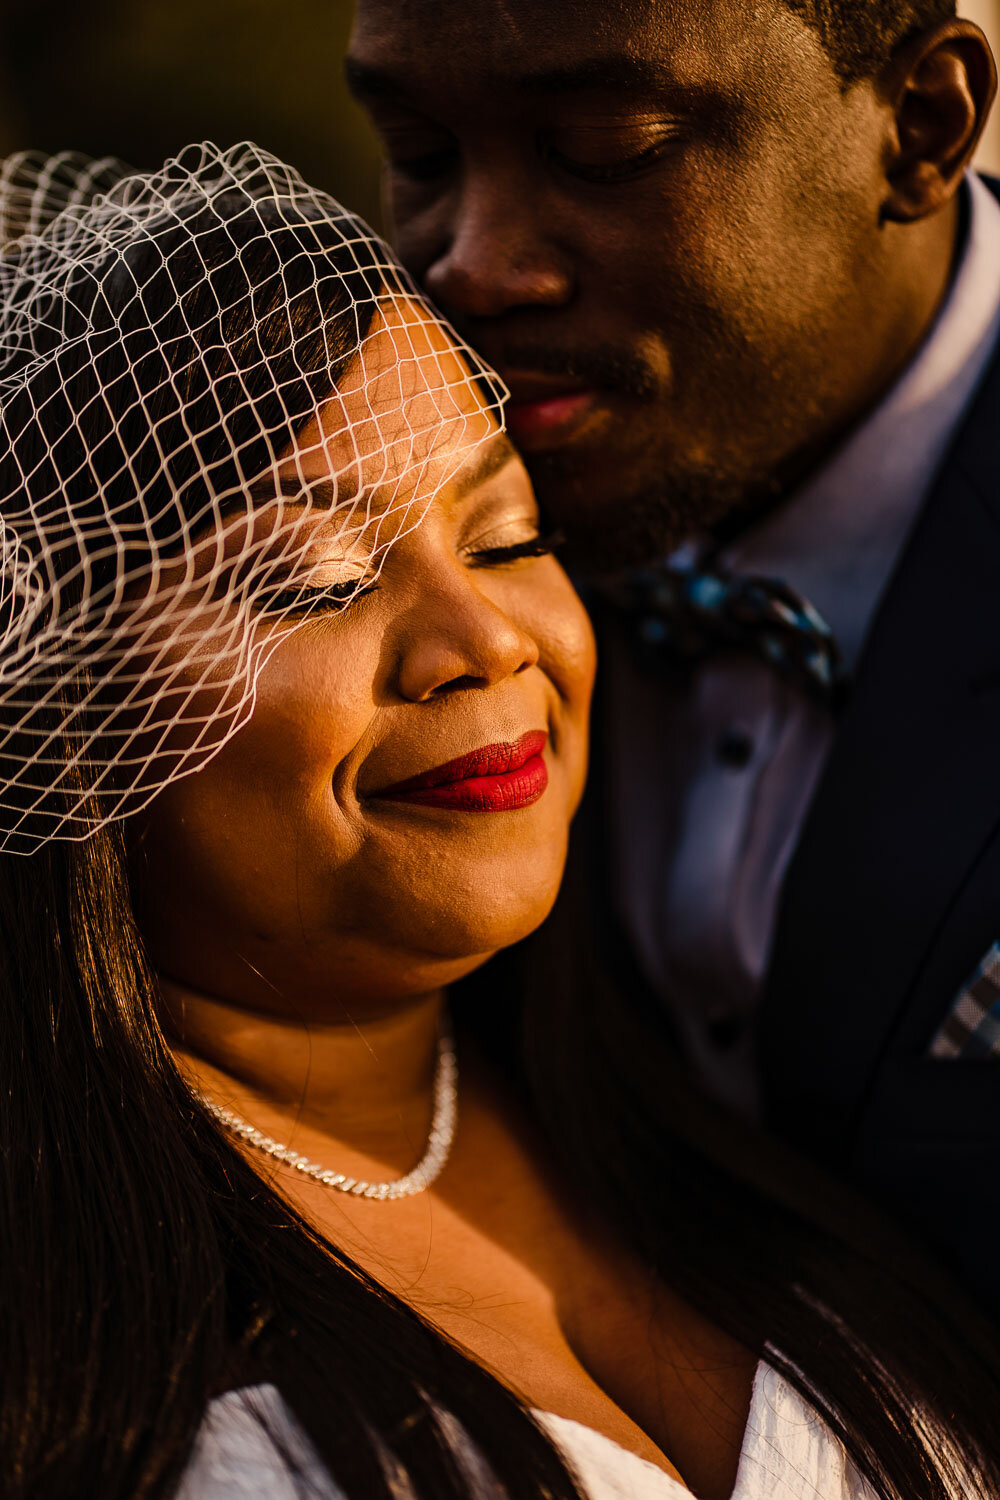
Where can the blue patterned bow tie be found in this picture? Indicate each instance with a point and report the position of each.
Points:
(687, 612)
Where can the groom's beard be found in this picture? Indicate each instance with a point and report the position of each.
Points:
(628, 530)
(663, 496)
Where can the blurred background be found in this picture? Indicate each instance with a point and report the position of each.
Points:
(987, 14)
(140, 78)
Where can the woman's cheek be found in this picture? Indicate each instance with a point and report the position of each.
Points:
(568, 658)
(566, 639)
(315, 698)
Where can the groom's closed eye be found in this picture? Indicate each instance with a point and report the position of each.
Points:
(598, 152)
(611, 151)
(419, 151)
(415, 146)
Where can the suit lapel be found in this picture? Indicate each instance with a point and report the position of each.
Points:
(909, 799)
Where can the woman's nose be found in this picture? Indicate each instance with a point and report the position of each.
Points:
(494, 257)
(461, 643)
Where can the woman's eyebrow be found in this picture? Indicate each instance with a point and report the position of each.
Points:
(493, 458)
(327, 492)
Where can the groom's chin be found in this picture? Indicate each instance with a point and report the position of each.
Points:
(606, 529)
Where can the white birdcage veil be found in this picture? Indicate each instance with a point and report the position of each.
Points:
(35, 186)
(163, 347)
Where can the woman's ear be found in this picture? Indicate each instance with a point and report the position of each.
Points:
(940, 86)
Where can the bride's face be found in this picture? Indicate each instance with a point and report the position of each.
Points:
(302, 863)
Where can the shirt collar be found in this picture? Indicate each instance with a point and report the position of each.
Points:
(838, 538)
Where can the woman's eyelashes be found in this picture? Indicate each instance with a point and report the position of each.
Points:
(333, 598)
(312, 599)
(539, 545)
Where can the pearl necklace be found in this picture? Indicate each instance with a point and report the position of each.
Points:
(427, 1170)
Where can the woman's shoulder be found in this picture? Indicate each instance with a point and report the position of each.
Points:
(250, 1447)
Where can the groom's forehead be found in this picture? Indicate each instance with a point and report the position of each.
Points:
(534, 45)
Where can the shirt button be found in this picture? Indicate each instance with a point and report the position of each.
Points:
(735, 748)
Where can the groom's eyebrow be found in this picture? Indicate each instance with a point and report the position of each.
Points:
(611, 73)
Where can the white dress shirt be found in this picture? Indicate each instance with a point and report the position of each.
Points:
(711, 781)
(250, 1439)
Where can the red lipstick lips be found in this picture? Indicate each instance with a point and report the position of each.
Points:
(497, 778)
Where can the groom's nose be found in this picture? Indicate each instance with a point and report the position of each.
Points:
(494, 255)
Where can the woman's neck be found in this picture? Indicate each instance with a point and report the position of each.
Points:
(365, 1082)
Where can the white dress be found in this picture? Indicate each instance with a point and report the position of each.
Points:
(788, 1454)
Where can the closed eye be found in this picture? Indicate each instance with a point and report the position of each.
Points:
(536, 546)
(610, 155)
(426, 167)
(415, 148)
(336, 597)
(332, 598)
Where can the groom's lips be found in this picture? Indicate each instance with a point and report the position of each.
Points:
(546, 410)
(495, 778)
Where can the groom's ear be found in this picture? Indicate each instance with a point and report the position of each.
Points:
(939, 86)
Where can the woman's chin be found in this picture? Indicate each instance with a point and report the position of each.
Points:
(496, 920)
(468, 910)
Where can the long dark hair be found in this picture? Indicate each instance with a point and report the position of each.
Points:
(146, 1267)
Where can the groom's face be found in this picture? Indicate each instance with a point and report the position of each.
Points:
(658, 218)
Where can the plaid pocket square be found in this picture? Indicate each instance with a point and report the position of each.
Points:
(972, 1026)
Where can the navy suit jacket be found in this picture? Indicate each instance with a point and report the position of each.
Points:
(893, 895)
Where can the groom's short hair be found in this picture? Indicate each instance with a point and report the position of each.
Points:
(860, 35)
